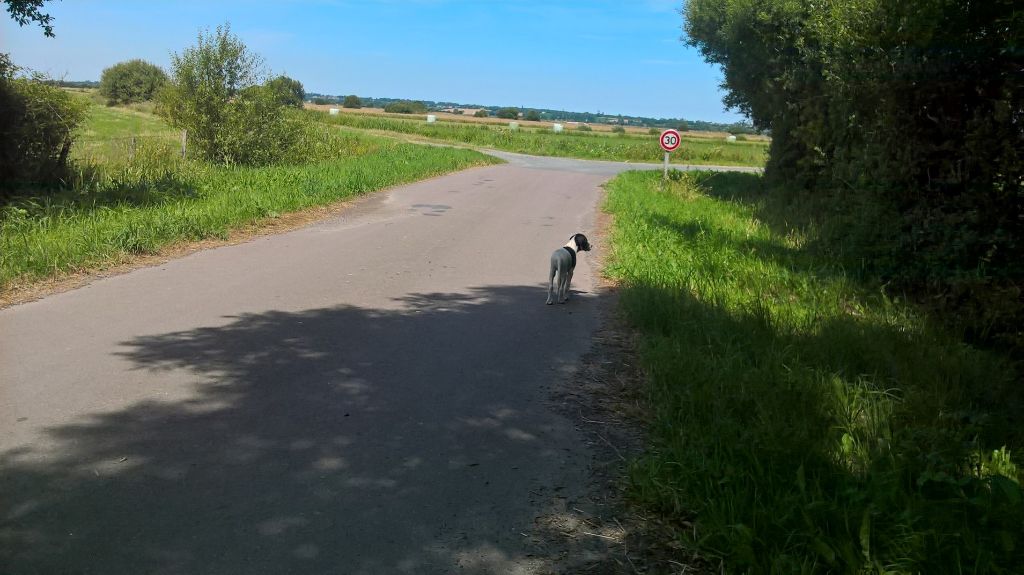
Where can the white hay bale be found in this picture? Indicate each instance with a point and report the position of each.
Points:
(334, 111)
(556, 128)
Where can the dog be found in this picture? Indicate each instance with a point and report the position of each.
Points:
(563, 262)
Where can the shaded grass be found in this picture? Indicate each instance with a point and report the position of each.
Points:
(570, 144)
(808, 422)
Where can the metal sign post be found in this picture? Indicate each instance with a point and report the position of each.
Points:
(669, 141)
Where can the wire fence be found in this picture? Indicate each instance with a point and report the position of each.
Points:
(126, 149)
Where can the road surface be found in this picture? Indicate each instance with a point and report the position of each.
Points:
(369, 394)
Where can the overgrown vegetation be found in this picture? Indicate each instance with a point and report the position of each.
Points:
(37, 126)
(905, 118)
(804, 421)
(231, 113)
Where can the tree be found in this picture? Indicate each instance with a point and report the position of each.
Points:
(215, 93)
(352, 101)
(481, 113)
(25, 11)
(508, 113)
(406, 107)
(131, 81)
(683, 126)
(289, 92)
(532, 116)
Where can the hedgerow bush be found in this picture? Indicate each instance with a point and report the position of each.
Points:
(37, 126)
(907, 111)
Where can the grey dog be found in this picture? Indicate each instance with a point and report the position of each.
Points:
(563, 262)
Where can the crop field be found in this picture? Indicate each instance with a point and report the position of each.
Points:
(569, 143)
(469, 118)
(128, 199)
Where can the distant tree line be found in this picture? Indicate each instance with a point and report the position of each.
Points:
(536, 114)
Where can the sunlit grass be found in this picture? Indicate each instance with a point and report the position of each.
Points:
(136, 198)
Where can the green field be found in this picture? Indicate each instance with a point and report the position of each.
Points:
(127, 198)
(569, 143)
(802, 420)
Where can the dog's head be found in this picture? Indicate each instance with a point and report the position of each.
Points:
(581, 242)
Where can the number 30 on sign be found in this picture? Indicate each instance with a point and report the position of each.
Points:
(669, 140)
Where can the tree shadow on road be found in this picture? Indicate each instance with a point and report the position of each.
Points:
(340, 440)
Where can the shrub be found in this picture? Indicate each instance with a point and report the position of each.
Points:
(131, 81)
(532, 116)
(584, 128)
(618, 130)
(36, 130)
(406, 107)
(288, 92)
(481, 113)
(215, 94)
(507, 113)
(352, 101)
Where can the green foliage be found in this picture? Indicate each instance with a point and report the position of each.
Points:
(131, 81)
(507, 113)
(683, 126)
(406, 107)
(481, 113)
(532, 116)
(803, 421)
(215, 93)
(914, 107)
(618, 130)
(289, 92)
(37, 127)
(584, 128)
(352, 101)
(25, 11)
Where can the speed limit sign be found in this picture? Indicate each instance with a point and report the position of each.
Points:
(669, 140)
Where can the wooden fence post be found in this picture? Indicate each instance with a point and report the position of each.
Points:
(184, 140)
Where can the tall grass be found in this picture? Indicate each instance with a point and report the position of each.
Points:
(807, 422)
(118, 203)
(571, 144)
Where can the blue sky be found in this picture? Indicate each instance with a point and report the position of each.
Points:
(616, 57)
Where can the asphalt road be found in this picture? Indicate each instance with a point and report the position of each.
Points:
(369, 394)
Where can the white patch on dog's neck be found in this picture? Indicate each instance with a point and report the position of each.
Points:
(572, 244)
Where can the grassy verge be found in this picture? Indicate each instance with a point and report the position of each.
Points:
(138, 200)
(571, 144)
(808, 423)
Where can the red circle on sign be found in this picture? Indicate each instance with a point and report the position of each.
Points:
(670, 140)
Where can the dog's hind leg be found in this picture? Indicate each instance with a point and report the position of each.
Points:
(551, 281)
(568, 283)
